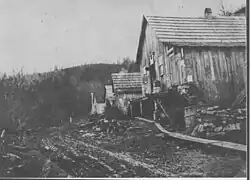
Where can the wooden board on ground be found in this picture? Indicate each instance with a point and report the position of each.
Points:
(224, 144)
(240, 98)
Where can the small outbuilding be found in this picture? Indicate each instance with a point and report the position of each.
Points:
(126, 87)
(97, 105)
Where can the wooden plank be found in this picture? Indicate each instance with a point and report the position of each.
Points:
(144, 119)
(141, 110)
(203, 65)
(233, 60)
(234, 70)
(194, 65)
(223, 144)
(221, 67)
(131, 110)
(164, 111)
(239, 75)
(243, 65)
(157, 68)
(239, 99)
(178, 69)
(215, 60)
(198, 66)
(224, 62)
(211, 65)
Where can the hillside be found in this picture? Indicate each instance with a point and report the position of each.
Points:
(48, 99)
(93, 77)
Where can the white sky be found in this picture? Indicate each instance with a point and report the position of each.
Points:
(39, 34)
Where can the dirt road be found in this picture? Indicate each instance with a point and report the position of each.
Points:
(84, 150)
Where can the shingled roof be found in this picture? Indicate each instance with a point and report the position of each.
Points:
(222, 31)
(126, 82)
(199, 31)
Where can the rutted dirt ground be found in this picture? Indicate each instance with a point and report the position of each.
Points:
(129, 149)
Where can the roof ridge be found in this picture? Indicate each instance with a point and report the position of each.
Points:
(199, 31)
(194, 17)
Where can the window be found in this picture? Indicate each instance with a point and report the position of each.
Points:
(170, 52)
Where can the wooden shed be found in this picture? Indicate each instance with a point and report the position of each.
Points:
(97, 105)
(127, 87)
(208, 51)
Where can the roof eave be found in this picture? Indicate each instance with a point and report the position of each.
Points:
(201, 44)
(128, 90)
(141, 39)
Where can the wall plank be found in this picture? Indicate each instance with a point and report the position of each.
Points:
(215, 72)
(216, 62)
(198, 61)
(222, 69)
(194, 62)
(151, 44)
(211, 65)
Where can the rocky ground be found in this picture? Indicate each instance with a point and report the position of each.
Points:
(224, 124)
(124, 148)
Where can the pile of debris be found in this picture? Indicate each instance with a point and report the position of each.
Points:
(104, 125)
(111, 126)
(218, 123)
(191, 93)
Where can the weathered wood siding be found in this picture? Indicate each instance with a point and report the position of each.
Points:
(151, 44)
(219, 71)
(174, 73)
(122, 100)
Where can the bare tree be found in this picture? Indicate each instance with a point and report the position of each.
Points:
(225, 12)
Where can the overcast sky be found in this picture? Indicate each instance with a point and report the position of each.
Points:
(39, 34)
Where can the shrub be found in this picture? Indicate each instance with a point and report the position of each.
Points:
(28, 101)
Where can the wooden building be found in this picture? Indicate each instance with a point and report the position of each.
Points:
(127, 87)
(97, 105)
(208, 51)
(240, 12)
